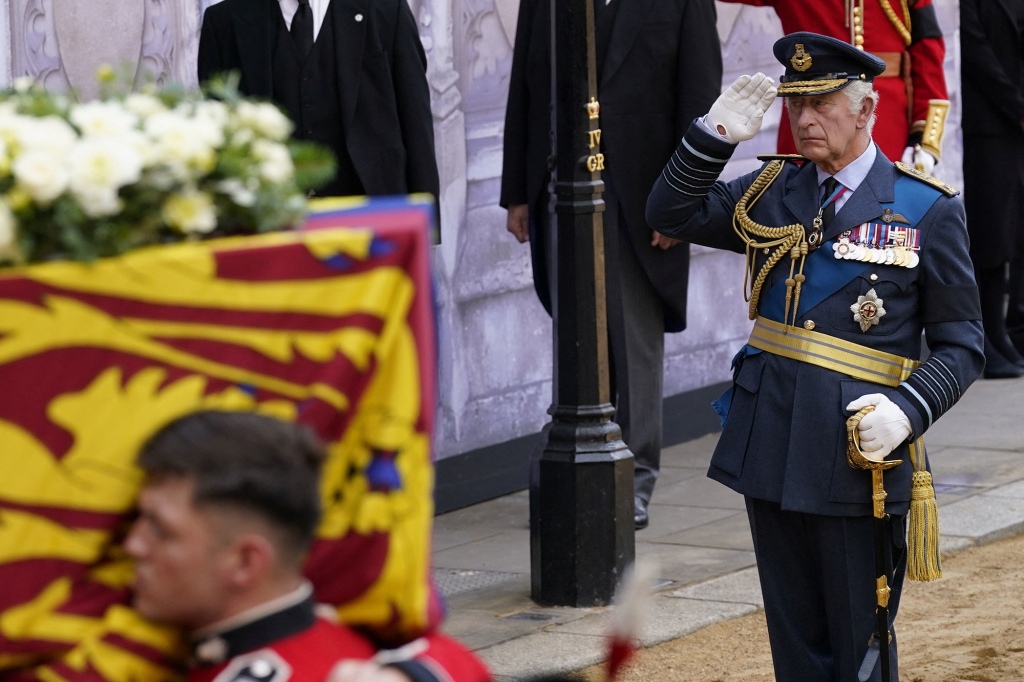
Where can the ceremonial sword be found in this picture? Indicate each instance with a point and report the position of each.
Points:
(878, 646)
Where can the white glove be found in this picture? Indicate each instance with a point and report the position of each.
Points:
(883, 430)
(738, 112)
(920, 159)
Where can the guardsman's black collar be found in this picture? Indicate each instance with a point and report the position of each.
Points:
(255, 628)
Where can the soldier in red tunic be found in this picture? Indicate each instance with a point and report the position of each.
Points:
(905, 34)
(226, 517)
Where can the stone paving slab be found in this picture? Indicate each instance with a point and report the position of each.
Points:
(742, 587)
(665, 619)
(543, 652)
(984, 517)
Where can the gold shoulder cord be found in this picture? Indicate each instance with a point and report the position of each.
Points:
(901, 28)
(789, 239)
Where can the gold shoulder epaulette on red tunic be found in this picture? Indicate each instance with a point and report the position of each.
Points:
(781, 157)
(933, 181)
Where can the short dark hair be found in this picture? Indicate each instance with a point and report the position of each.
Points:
(248, 461)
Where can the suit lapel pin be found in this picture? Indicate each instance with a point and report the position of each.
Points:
(359, 17)
(868, 310)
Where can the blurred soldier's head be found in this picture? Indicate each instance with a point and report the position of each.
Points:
(226, 515)
(829, 97)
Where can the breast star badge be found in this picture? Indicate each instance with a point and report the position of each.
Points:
(868, 310)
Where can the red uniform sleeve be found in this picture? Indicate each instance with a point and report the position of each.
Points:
(927, 51)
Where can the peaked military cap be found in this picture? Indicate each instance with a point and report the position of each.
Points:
(817, 64)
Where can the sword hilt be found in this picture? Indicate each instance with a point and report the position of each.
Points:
(858, 460)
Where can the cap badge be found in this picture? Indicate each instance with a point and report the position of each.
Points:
(801, 61)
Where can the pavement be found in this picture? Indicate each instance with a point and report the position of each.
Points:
(699, 538)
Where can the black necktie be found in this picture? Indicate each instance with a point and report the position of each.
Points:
(302, 28)
(831, 185)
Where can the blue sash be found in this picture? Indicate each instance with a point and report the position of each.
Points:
(827, 274)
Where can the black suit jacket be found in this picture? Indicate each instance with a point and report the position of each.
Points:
(662, 69)
(382, 82)
(992, 66)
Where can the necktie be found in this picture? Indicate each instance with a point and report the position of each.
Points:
(826, 212)
(830, 185)
(302, 28)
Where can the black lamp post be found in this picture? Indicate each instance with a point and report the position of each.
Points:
(581, 528)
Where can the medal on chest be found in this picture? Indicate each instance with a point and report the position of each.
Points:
(868, 310)
(883, 243)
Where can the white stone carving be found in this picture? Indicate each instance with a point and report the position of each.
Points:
(94, 33)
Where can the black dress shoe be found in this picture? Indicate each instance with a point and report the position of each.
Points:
(640, 518)
(998, 367)
(1017, 339)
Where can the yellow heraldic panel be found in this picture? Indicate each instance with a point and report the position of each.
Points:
(329, 327)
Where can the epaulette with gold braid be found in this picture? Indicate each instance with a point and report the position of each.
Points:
(934, 182)
(781, 157)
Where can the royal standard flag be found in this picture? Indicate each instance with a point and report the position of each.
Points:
(331, 326)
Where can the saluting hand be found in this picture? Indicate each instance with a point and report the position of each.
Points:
(738, 112)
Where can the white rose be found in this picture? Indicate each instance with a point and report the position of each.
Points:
(142, 146)
(23, 84)
(264, 119)
(270, 122)
(239, 193)
(104, 163)
(181, 144)
(275, 162)
(97, 201)
(48, 134)
(205, 120)
(96, 119)
(41, 174)
(213, 111)
(143, 105)
(10, 126)
(190, 211)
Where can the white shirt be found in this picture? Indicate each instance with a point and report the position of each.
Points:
(319, 7)
(852, 175)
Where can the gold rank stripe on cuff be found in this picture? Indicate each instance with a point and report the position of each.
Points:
(822, 350)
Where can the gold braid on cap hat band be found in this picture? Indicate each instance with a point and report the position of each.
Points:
(789, 239)
(811, 86)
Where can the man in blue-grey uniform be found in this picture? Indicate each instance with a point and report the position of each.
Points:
(850, 258)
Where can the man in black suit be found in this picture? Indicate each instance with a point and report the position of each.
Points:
(992, 35)
(351, 74)
(659, 66)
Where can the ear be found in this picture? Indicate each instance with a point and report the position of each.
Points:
(867, 108)
(252, 559)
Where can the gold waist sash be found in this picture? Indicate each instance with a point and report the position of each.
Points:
(822, 350)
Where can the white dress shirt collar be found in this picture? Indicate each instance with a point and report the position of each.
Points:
(853, 174)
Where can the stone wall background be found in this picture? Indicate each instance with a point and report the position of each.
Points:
(495, 339)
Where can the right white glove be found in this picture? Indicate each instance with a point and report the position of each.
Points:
(738, 112)
(883, 430)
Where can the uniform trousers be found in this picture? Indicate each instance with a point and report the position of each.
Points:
(818, 581)
(636, 333)
(636, 328)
